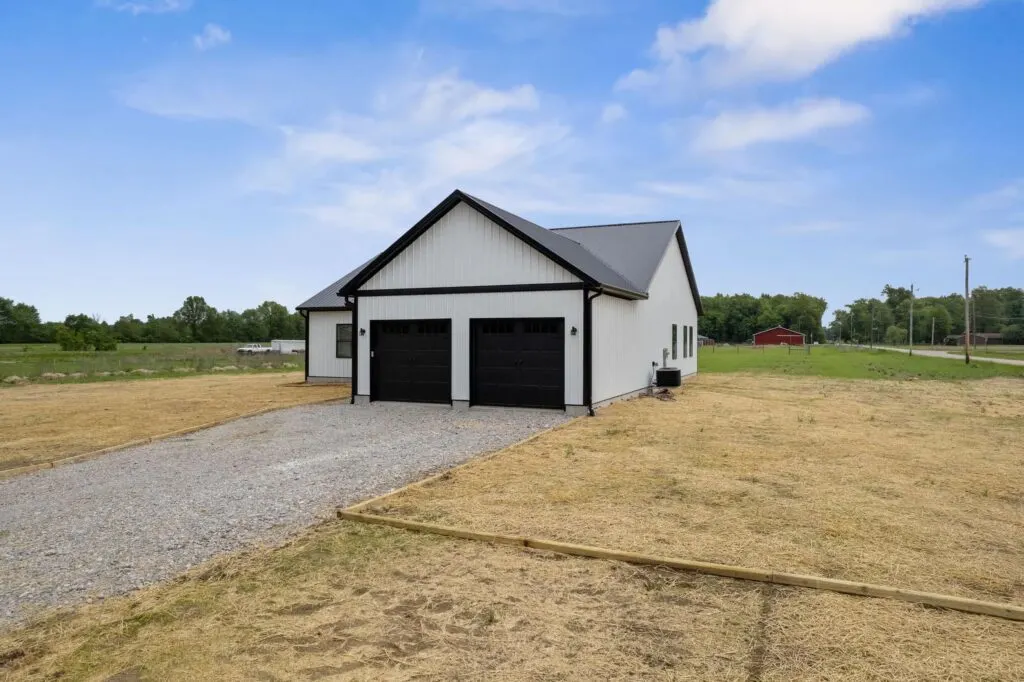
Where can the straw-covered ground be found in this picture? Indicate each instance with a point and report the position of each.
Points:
(916, 484)
(348, 601)
(46, 423)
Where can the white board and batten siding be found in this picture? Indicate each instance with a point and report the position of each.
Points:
(629, 335)
(466, 248)
(460, 309)
(320, 356)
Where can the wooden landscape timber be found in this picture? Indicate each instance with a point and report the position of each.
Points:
(974, 606)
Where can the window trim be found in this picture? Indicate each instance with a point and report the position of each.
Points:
(692, 334)
(338, 340)
(684, 341)
(675, 341)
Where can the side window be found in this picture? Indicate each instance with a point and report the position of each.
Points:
(691, 341)
(343, 341)
(675, 341)
(684, 342)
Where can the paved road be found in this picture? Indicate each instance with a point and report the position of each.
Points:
(953, 356)
(112, 524)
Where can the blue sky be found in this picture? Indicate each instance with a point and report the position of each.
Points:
(155, 149)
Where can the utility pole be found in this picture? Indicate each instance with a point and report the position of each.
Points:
(872, 334)
(967, 310)
(911, 318)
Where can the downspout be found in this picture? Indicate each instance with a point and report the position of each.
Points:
(588, 347)
(354, 302)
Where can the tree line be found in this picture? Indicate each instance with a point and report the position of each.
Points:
(887, 319)
(194, 321)
(735, 318)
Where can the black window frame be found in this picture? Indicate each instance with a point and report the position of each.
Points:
(684, 341)
(675, 341)
(338, 340)
(692, 334)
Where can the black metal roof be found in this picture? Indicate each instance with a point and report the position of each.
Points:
(635, 249)
(620, 258)
(329, 298)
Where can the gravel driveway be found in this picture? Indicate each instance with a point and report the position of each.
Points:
(115, 523)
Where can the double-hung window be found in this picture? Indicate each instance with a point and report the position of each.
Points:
(343, 341)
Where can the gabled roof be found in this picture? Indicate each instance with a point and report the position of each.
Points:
(329, 298)
(576, 254)
(620, 259)
(779, 326)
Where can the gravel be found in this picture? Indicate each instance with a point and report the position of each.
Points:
(122, 521)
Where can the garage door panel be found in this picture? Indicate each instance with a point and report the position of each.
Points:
(518, 362)
(410, 360)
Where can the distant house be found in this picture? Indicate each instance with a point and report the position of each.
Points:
(704, 341)
(477, 306)
(977, 339)
(778, 336)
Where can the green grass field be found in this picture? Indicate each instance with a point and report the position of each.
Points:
(46, 362)
(845, 363)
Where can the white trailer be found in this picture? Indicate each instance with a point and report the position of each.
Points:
(288, 346)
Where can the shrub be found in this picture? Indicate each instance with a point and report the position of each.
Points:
(68, 339)
(895, 335)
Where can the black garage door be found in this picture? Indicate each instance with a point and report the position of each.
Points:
(411, 360)
(518, 362)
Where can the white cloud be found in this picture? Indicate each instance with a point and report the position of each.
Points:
(1009, 195)
(328, 145)
(137, 7)
(613, 112)
(211, 37)
(450, 97)
(738, 40)
(1010, 242)
(733, 130)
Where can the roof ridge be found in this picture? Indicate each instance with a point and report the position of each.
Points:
(635, 222)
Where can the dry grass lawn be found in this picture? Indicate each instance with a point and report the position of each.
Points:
(46, 423)
(917, 484)
(347, 601)
(912, 484)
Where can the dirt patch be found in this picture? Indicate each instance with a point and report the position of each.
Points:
(913, 484)
(46, 423)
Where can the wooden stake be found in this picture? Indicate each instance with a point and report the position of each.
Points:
(984, 608)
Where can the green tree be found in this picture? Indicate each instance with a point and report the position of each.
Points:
(19, 322)
(894, 296)
(69, 339)
(192, 314)
(129, 329)
(895, 336)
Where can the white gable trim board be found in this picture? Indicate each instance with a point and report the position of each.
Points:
(465, 311)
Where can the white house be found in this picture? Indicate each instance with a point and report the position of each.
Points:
(477, 306)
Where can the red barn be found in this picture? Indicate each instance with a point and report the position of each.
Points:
(778, 336)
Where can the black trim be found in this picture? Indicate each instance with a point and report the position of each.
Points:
(305, 358)
(351, 339)
(334, 309)
(453, 199)
(681, 240)
(355, 348)
(588, 350)
(482, 289)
